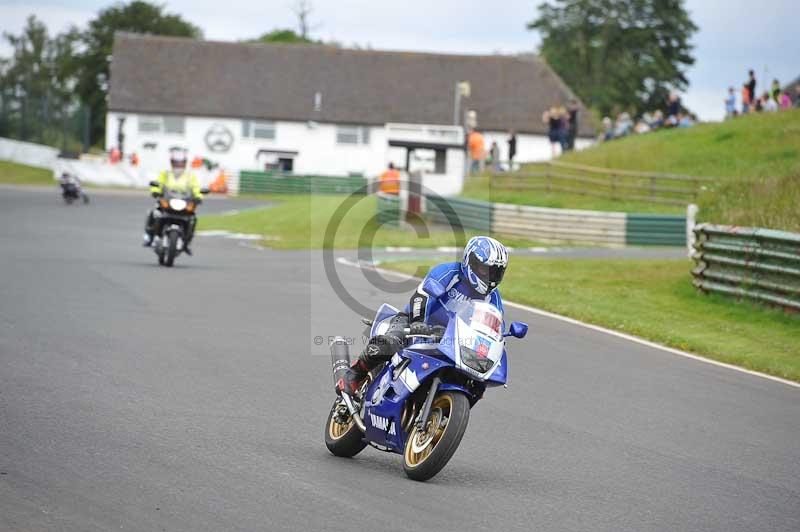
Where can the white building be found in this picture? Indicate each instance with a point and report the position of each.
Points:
(321, 110)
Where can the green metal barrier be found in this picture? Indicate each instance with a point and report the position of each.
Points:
(459, 212)
(655, 230)
(274, 183)
(388, 208)
(758, 264)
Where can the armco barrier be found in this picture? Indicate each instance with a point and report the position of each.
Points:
(655, 229)
(269, 183)
(460, 212)
(543, 224)
(388, 208)
(559, 225)
(758, 264)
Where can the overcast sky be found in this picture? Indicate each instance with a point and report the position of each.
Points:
(734, 35)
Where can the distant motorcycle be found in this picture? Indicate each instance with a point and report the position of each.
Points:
(418, 404)
(175, 220)
(71, 191)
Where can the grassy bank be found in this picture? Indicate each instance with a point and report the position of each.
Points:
(654, 299)
(301, 222)
(20, 174)
(755, 160)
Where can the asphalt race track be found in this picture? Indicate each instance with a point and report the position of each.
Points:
(137, 397)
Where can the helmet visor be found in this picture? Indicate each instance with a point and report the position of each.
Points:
(491, 275)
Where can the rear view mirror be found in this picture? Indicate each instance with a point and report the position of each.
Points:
(517, 329)
(153, 183)
(204, 191)
(433, 288)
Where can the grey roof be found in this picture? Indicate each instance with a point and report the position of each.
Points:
(169, 75)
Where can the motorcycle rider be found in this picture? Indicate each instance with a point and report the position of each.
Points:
(66, 180)
(177, 179)
(476, 277)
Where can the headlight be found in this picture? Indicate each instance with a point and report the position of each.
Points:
(177, 204)
(473, 360)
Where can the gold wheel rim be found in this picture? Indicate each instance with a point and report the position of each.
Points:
(420, 444)
(335, 429)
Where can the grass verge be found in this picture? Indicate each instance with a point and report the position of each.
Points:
(21, 174)
(301, 222)
(755, 158)
(654, 299)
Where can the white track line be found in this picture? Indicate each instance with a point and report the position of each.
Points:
(597, 328)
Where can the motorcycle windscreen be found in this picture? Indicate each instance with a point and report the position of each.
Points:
(381, 322)
(480, 337)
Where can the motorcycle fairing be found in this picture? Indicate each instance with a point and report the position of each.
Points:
(386, 397)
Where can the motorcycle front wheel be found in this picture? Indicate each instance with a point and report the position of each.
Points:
(429, 449)
(172, 248)
(342, 438)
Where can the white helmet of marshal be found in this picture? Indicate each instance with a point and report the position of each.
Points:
(484, 263)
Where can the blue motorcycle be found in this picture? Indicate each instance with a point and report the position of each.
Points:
(418, 404)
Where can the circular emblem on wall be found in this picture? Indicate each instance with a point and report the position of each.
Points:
(219, 138)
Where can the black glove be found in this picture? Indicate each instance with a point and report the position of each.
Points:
(438, 330)
(198, 201)
(155, 194)
(419, 327)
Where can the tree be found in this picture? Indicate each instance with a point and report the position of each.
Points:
(284, 36)
(624, 54)
(136, 17)
(36, 82)
(303, 9)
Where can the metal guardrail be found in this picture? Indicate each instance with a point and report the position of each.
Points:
(277, 183)
(544, 224)
(459, 212)
(609, 183)
(758, 264)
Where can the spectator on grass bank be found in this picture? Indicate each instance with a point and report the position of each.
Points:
(390, 181)
(512, 148)
(673, 107)
(768, 103)
(730, 103)
(785, 100)
(552, 118)
(608, 129)
(572, 129)
(477, 151)
(751, 86)
(746, 100)
(623, 126)
(494, 156)
(775, 91)
(643, 125)
(685, 120)
(658, 120)
(797, 96)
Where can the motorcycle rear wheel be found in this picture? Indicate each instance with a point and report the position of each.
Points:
(342, 439)
(428, 451)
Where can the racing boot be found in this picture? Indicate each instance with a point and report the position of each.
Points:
(353, 378)
(379, 350)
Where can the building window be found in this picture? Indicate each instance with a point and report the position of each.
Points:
(173, 125)
(352, 135)
(149, 124)
(252, 129)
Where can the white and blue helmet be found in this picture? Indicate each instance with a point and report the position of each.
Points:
(484, 263)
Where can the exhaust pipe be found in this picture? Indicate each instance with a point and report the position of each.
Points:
(340, 359)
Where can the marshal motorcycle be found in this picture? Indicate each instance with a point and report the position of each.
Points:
(418, 404)
(175, 220)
